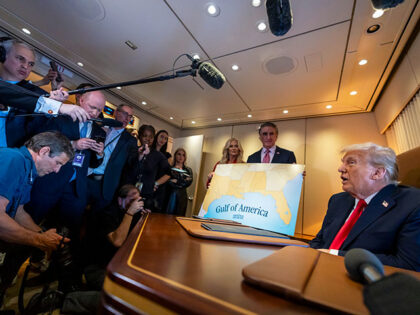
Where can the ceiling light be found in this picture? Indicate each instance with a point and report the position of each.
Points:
(256, 3)
(262, 26)
(143, 103)
(196, 56)
(171, 118)
(285, 111)
(118, 87)
(249, 115)
(372, 29)
(235, 67)
(353, 92)
(219, 119)
(212, 9)
(26, 31)
(328, 106)
(362, 62)
(377, 14)
(193, 122)
(80, 64)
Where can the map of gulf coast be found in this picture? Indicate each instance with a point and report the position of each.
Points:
(260, 195)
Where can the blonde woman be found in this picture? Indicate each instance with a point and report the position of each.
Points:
(232, 153)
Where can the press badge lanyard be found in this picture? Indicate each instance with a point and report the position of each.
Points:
(79, 157)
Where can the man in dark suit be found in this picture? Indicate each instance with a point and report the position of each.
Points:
(16, 62)
(119, 144)
(67, 190)
(270, 153)
(374, 212)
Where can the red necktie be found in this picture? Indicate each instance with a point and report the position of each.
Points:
(348, 225)
(266, 158)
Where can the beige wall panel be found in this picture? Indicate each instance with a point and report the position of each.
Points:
(398, 93)
(325, 138)
(413, 56)
(214, 140)
(291, 137)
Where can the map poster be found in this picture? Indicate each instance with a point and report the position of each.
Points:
(260, 195)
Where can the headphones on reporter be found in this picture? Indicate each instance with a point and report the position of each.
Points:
(2, 49)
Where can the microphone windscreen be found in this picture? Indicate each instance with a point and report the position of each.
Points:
(279, 15)
(211, 75)
(385, 4)
(357, 258)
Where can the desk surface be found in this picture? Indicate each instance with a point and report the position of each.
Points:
(161, 269)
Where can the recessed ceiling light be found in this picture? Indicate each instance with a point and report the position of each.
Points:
(249, 115)
(219, 119)
(193, 122)
(328, 106)
(118, 87)
(235, 67)
(373, 28)
(144, 103)
(26, 31)
(377, 14)
(196, 56)
(212, 9)
(171, 118)
(256, 3)
(262, 26)
(362, 62)
(285, 111)
(80, 64)
(353, 92)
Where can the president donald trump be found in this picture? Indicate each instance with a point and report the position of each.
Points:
(373, 212)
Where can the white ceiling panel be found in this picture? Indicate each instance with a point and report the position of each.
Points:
(318, 57)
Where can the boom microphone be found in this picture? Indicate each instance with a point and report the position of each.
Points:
(363, 266)
(211, 75)
(208, 72)
(280, 16)
(385, 4)
(107, 122)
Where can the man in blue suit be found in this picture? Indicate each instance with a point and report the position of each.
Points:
(373, 212)
(270, 153)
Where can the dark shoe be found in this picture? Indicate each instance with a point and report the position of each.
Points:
(51, 301)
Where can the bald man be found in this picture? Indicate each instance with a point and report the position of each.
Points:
(67, 190)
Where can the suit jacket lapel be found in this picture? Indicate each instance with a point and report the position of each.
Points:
(120, 143)
(277, 155)
(344, 210)
(378, 206)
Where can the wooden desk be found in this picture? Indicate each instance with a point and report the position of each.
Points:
(162, 270)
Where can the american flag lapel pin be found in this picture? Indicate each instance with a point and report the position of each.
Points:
(385, 204)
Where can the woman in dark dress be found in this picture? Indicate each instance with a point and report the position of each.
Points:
(181, 178)
(145, 168)
(160, 144)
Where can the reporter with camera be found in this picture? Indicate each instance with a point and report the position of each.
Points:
(103, 181)
(43, 154)
(111, 228)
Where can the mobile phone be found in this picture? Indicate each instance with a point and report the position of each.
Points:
(53, 66)
(98, 138)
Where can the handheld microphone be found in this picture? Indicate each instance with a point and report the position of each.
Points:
(107, 122)
(363, 266)
(280, 18)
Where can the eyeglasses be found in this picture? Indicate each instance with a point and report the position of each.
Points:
(125, 114)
